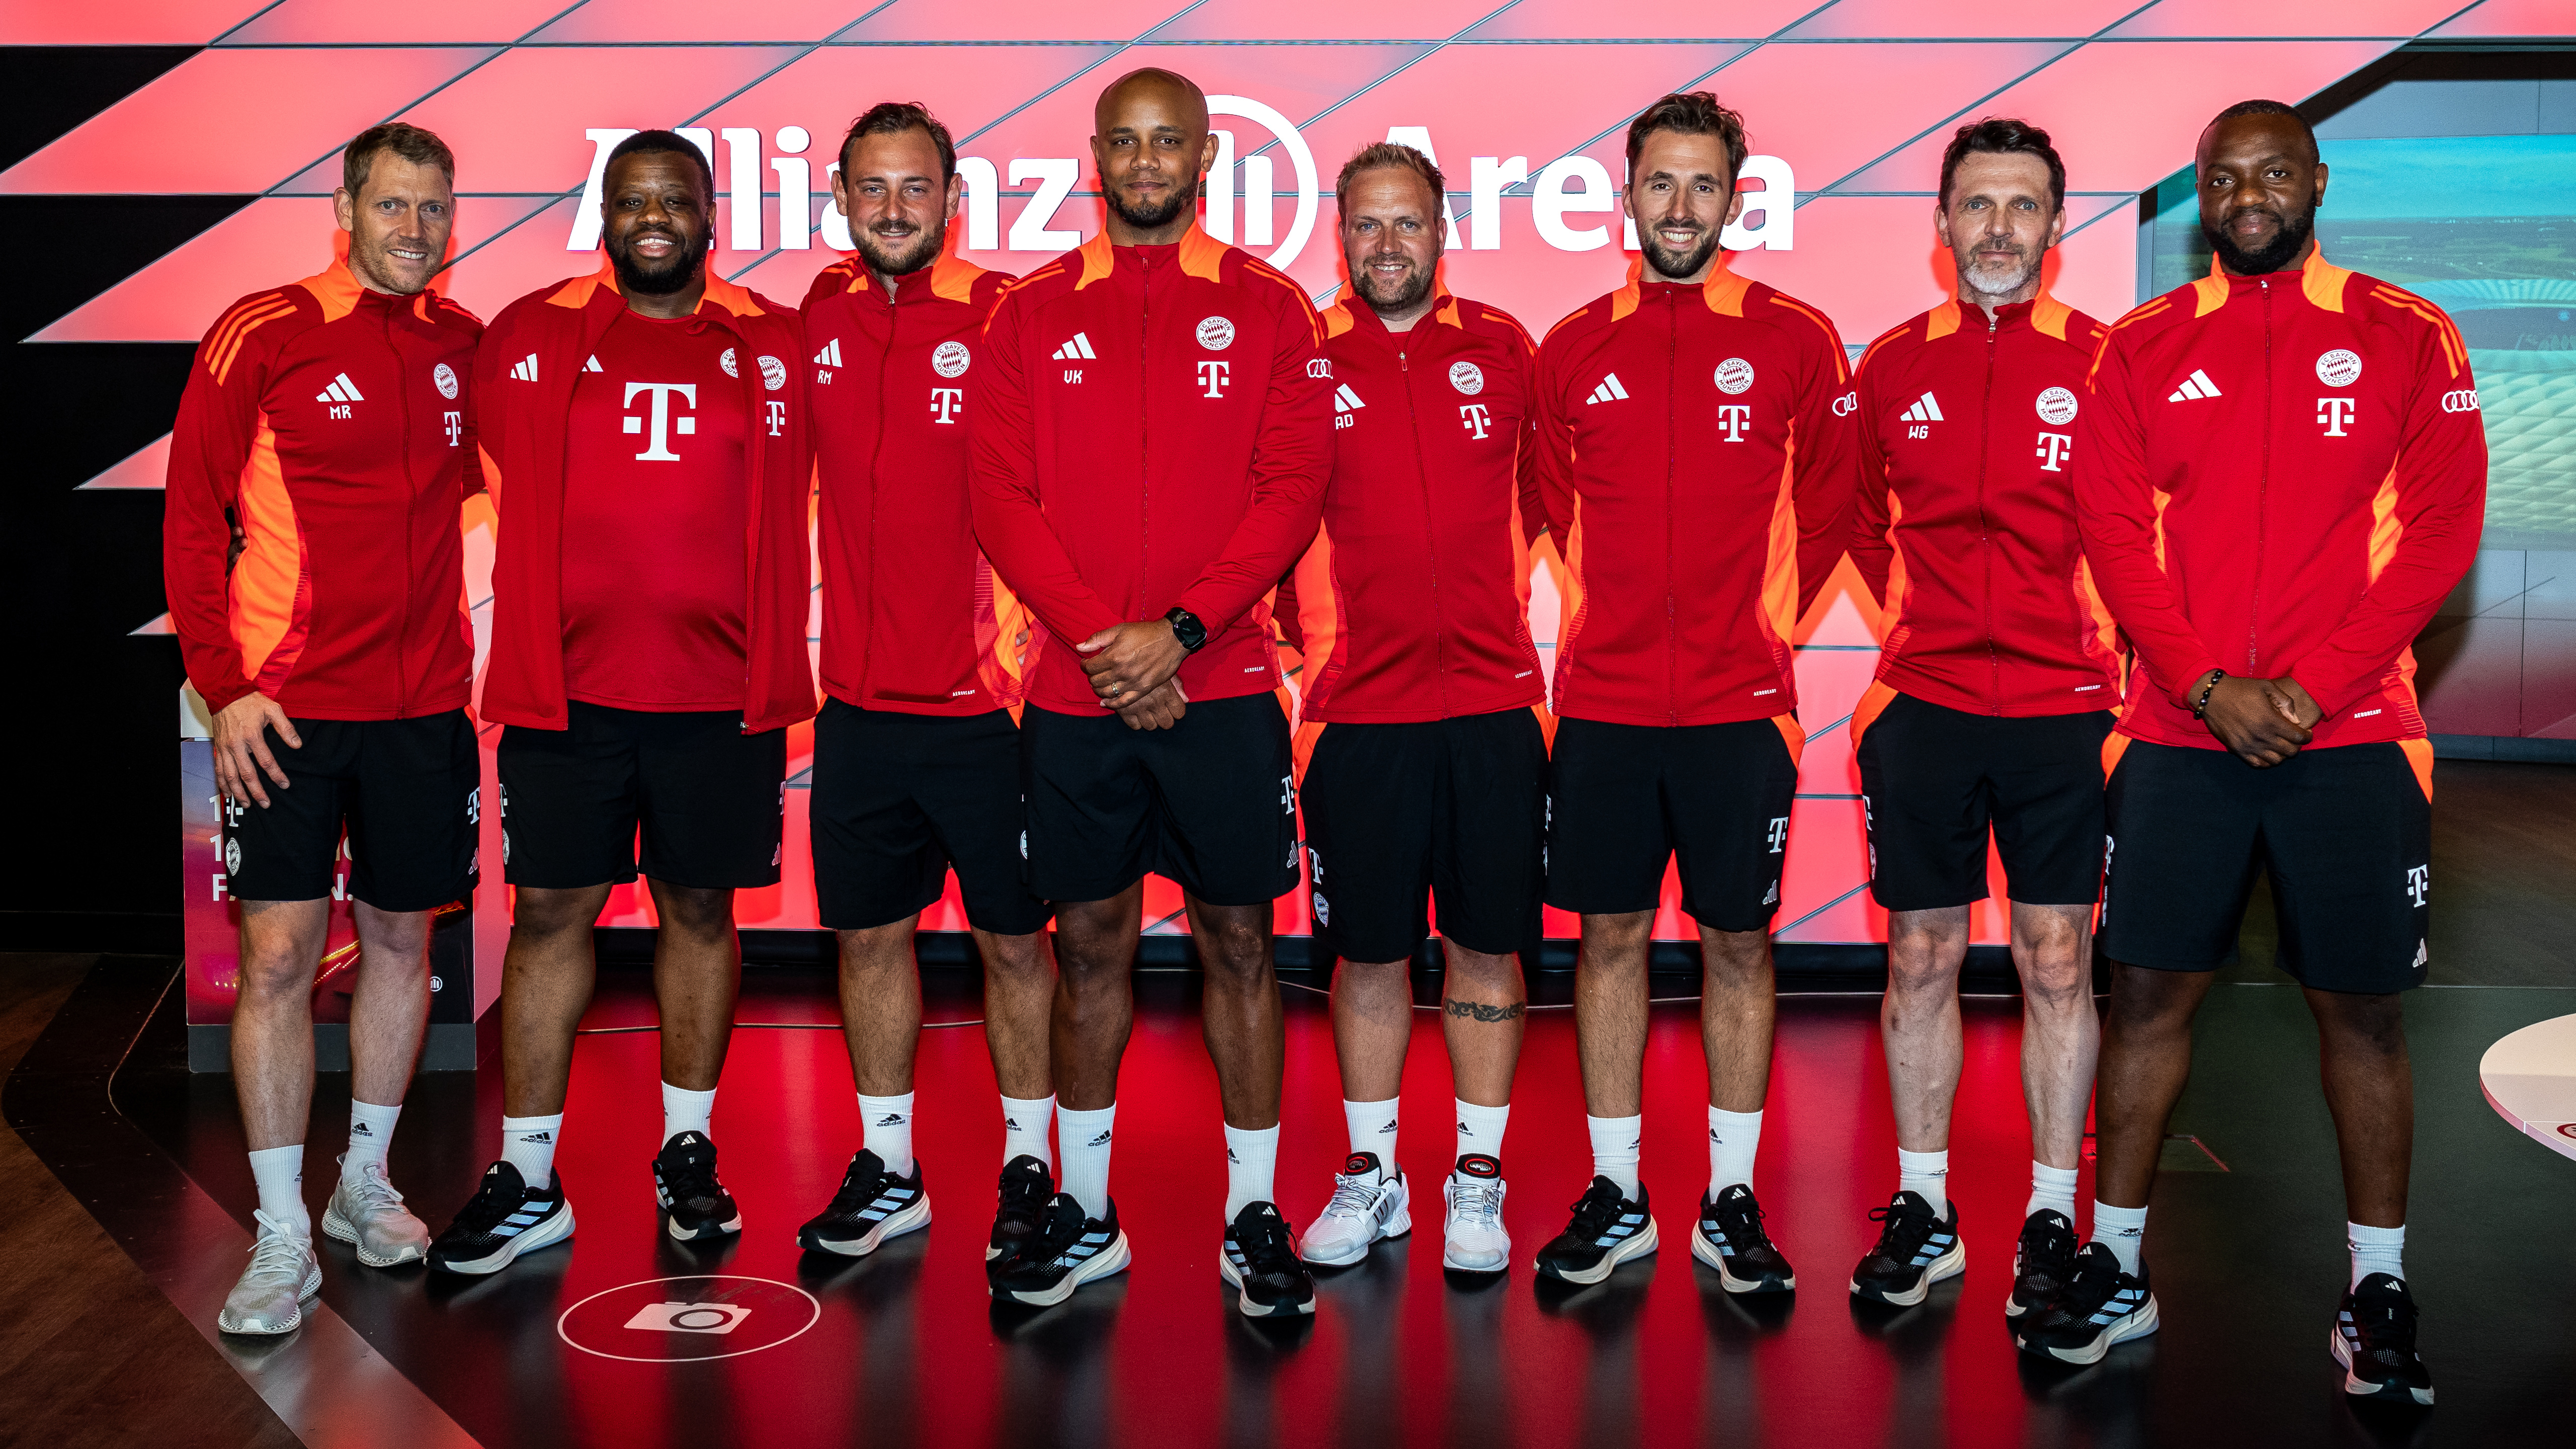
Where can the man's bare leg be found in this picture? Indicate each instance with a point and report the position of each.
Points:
(272, 1028)
(1610, 1011)
(1246, 1035)
(2370, 1086)
(389, 1010)
(1736, 1006)
(546, 981)
(697, 974)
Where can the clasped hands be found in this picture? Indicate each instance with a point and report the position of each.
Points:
(2261, 721)
(1133, 669)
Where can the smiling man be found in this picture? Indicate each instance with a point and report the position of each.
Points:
(1150, 454)
(2280, 473)
(645, 437)
(1694, 431)
(328, 421)
(1992, 698)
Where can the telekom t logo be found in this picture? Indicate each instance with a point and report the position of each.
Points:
(455, 424)
(2419, 882)
(2334, 412)
(946, 403)
(1474, 418)
(2053, 448)
(1735, 418)
(778, 420)
(659, 451)
(1212, 376)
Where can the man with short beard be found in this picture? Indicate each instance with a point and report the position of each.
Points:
(916, 756)
(646, 442)
(2279, 475)
(1423, 752)
(1693, 443)
(1992, 698)
(1150, 455)
(327, 426)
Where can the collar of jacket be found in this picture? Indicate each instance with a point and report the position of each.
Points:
(1346, 315)
(1723, 291)
(2045, 313)
(338, 292)
(952, 278)
(1202, 256)
(2320, 281)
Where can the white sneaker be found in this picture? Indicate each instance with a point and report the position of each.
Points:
(1368, 1203)
(270, 1296)
(366, 1213)
(1474, 1240)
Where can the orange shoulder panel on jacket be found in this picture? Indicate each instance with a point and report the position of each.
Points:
(1833, 339)
(2146, 311)
(845, 275)
(224, 342)
(1902, 329)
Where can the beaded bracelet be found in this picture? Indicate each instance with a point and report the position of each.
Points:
(2201, 710)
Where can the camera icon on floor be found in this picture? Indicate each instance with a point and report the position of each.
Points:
(688, 1318)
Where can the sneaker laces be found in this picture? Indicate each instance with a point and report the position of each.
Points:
(1270, 1249)
(277, 1251)
(690, 1177)
(1024, 1197)
(857, 1189)
(1478, 1200)
(491, 1204)
(1594, 1212)
(2384, 1324)
(2049, 1251)
(1739, 1220)
(1354, 1196)
(1904, 1232)
(371, 1191)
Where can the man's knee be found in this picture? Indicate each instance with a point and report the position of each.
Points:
(2374, 1024)
(540, 912)
(1236, 947)
(701, 911)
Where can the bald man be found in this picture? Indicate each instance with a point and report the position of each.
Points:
(1150, 458)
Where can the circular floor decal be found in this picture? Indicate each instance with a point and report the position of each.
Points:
(683, 1320)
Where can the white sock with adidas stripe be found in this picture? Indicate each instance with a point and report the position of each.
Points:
(528, 1144)
(1082, 1139)
(1372, 1127)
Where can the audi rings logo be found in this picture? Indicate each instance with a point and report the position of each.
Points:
(2460, 400)
(1846, 405)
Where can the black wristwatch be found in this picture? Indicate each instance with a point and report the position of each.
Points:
(1187, 628)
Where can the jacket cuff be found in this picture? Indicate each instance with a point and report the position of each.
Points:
(2186, 693)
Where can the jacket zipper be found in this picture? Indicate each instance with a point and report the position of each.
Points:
(411, 504)
(1672, 465)
(1430, 531)
(876, 459)
(1985, 526)
(1144, 425)
(2262, 495)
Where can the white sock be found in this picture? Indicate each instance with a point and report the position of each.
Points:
(2052, 1189)
(1480, 1129)
(687, 1111)
(279, 1171)
(1732, 1139)
(1927, 1175)
(888, 1124)
(1024, 1128)
(371, 1132)
(1251, 1156)
(528, 1144)
(2374, 1250)
(2122, 1230)
(1084, 1139)
(1372, 1127)
(1615, 1141)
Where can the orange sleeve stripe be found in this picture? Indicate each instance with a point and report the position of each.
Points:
(1564, 322)
(241, 312)
(221, 364)
(1883, 340)
(2454, 351)
(1842, 364)
(2138, 314)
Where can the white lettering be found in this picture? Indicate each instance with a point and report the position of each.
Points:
(1419, 138)
(795, 191)
(1486, 178)
(1550, 202)
(1768, 220)
(983, 188)
(1055, 176)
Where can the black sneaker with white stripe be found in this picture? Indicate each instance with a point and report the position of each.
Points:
(2101, 1306)
(684, 1183)
(1070, 1250)
(1608, 1229)
(872, 1206)
(1730, 1238)
(1021, 1213)
(1915, 1250)
(505, 1218)
(1260, 1263)
(2043, 1261)
(2374, 1340)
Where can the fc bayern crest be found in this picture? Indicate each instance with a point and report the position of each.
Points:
(2339, 368)
(726, 362)
(1734, 375)
(445, 377)
(1216, 334)
(951, 359)
(1467, 377)
(773, 373)
(2057, 407)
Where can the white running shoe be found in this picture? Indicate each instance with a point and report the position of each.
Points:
(1369, 1203)
(1474, 1240)
(366, 1213)
(270, 1296)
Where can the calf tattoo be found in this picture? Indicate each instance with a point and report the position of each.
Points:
(1479, 1011)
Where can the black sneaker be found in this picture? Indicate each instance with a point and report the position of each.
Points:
(1026, 1186)
(872, 1206)
(684, 1183)
(1608, 1229)
(2099, 1307)
(505, 1218)
(2374, 1340)
(2043, 1261)
(1729, 1237)
(1260, 1262)
(1914, 1251)
(1069, 1251)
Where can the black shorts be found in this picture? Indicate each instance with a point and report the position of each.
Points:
(898, 799)
(406, 793)
(1208, 803)
(1624, 799)
(710, 799)
(2345, 833)
(1456, 808)
(1933, 780)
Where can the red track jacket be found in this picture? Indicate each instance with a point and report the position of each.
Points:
(524, 377)
(913, 620)
(2280, 475)
(333, 423)
(1694, 456)
(1155, 434)
(1965, 520)
(1413, 603)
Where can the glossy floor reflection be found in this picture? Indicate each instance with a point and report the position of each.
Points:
(907, 1349)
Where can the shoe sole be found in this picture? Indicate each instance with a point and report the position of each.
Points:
(294, 1321)
(1706, 1252)
(544, 1235)
(2136, 1325)
(911, 1219)
(1398, 1226)
(2390, 1393)
(1244, 1301)
(1112, 1259)
(339, 1229)
(1949, 1265)
(1636, 1247)
(1502, 1260)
